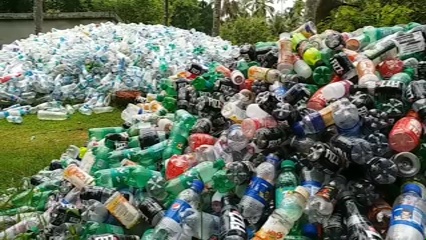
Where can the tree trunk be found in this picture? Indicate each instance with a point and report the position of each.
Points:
(216, 17)
(324, 8)
(166, 12)
(38, 16)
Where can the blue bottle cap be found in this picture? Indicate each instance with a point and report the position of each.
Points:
(412, 188)
(310, 230)
(197, 185)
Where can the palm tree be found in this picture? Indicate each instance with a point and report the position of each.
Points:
(260, 7)
(216, 17)
(38, 15)
(230, 9)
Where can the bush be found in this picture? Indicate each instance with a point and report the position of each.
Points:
(247, 30)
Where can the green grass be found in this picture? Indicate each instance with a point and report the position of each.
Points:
(25, 149)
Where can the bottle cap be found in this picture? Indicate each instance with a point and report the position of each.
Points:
(219, 164)
(302, 191)
(412, 188)
(408, 164)
(287, 164)
(310, 230)
(197, 185)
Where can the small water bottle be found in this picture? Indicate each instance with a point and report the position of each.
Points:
(15, 119)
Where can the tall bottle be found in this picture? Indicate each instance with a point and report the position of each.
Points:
(281, 221)
(286, 181)
(321, 205)
(333, 228)
(359, 228)
(258, 193)
(232, 226)
(408, 215)
(285, 56)
(170, 226)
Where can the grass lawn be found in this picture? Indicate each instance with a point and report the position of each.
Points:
(25, 149)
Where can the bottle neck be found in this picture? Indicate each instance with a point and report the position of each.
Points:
(351, 207)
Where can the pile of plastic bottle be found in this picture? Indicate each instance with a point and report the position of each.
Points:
(316, 136)
(84, 65)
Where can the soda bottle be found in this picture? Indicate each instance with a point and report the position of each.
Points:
(178, 164)
(250, 125)
(366, 73)
(352, 149)
(333, 228)
(77, 177)
(321, 157)
(281, 221)
(257, 195)
(405, 134)
(342, 66)
(301, 67)
(286, 181)
(268, 138)
(155, 187)
(307, 29)
(390, 67)
(123, 210)
(232, 226)
(149, 137)
(312, 180)
(302, 144)
(170, 226)
(381, 170)
(202, 125)
(97, 193)
(236, 140)
(364, 191)
(151, 210)
(117, 141)
(358, 225)
(96, 228)
(322, 75)
(100, 133)
(321, 205)
(198, 139)
(379, 215)
(285, 57)
(333, 90)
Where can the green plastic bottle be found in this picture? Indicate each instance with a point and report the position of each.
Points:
(170, 104)
(135, 129)
(221, 182)
(148, 235)
(286, 181)
(184, 181)
(322, 75)
(96, 228)
(207, 169)
(151, 155)
(168, 85)
(405, 77)
(134, 142)
(135, 176)
(140, 176)
(100, 133)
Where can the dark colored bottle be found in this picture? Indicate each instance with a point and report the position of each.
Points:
(375, 121)
(65, 213)
(286, 112)
(232, 226)
(358, 226)
(362, 101)
(364, 192)
(342, 66)
(334, 229)
(248, 52)
(382, 170)
(267, 101)
(269, 138)
(148, 137)
(97, 193)
(116, 141)
(239, 172)
(203, 125)
(152, 211)
(321, 157)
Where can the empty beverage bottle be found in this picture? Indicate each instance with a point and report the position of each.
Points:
(151, 210)
(408, 215)
(408, 164)
(405, 134)
(114, 237)
(259, 192)
(346, 117)
(312, 179)
(321, 157)
(334, 228)
(282, 219)
(269, 138)
(321, 205)
(381, 170)
(232, 226)
(380, 214)
(170, 226)
(251, 125)
(359, 227)
(286, 181)
(352, 149)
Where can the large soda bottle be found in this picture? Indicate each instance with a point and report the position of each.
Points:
(358, 225)
(321, 205)
(257, 195)
(286, 181)
(232, 226)
(283, 218)
(170, 226)
(408, 215)
(367, 73)
(179, 134)
(178, 164)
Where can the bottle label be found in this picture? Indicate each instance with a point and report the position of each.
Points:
(353, 224)
(312, 186)
(273, 229)
(328, 192)
(260, 190)
(125, 212)
(410, 43)
(176, 210)
(280, 194)
(410, 216)
(77, 177)
(232, 221)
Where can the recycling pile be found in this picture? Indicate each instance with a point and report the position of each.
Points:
(316, 136)
(85, 65)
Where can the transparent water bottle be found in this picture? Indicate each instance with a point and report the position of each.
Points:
(170, 226)
(346, 117)
(257, 195)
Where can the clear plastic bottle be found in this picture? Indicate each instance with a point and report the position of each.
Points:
(255, 200)
(408, 215)
(346, 117)
(170, 226)
(283, 218)
(335, 90)
(321, 205)
(49, 115)
(301, 67)
(15, 119)
(312, 179)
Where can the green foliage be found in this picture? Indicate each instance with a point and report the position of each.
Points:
(246, 30)
(291, 19)
(145, 11)
(366, 13)
(188, 14)
(16, 6)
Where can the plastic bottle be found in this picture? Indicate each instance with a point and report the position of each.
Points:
(232, 226)
(286, 181)
(321, 205)
(285, 57)
(281, 221)
(301, 67)
(334, 228)
(366, 73)
(335, 90)
(405, 134)
(379, 215)
(255, 200)
(346, 117)
(250, 125)
(312, 180)
(49, 115)
(170, 226)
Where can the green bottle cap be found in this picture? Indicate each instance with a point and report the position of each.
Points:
(288, 164)
(410, 72)
(219, 164)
